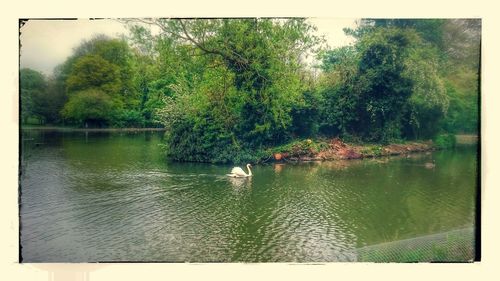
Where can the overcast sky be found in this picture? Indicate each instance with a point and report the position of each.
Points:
(47, 43)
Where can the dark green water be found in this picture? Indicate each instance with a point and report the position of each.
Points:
(101, 196)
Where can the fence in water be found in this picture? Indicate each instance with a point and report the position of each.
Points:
(452, 246)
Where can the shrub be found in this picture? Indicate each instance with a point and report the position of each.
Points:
(445, 141)
(129, 118)
(207, 142)
(89, 106)
(301, 147)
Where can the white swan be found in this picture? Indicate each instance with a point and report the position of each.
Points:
(238, 172)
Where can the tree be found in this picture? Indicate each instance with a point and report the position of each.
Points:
(53, 101)
(463, 37)
(393, 88)
(104, 66)
(90, 107)
(243, 75)
(338, 88)
(92, 71)
(456, 43)
(429, 102)
(33, 87)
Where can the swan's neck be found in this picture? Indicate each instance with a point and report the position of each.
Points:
(249, 171)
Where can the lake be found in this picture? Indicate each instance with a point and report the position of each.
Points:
(113, 196)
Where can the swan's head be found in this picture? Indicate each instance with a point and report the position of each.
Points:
(248, 165)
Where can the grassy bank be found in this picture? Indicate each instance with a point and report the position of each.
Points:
(336, 149)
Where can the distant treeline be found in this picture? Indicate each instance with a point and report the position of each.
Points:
(227, 89)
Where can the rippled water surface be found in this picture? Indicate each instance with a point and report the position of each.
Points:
(103, 196)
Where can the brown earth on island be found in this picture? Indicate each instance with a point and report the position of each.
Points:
(336, 149)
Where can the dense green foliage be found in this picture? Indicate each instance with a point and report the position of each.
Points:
(228, 90)
(395, 83)
(103, 68)
(456, 44)
(41, 98)
(445, 141)
(232, 87)
(32, 88)
(89, 105)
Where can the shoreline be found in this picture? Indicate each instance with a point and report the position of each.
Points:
(335, 149)
(338, 150)
(309, 150)
(69, 129)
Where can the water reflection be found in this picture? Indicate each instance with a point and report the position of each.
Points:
(278, 167)
(340, 165)
(239, 183)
